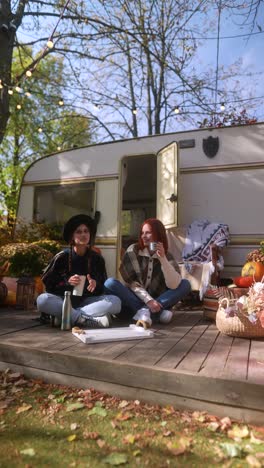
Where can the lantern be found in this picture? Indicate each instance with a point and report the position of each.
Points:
(25, 293)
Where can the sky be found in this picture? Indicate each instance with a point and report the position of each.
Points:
(246, 49)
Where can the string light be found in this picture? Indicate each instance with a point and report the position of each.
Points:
(177, 110)
(28, 93)
(222, 106)
(50, 44)
(29, 73)
(58, 148)
(61, 102)
(1, 86)
(40, 130)
(19, 106)
(10, 91)
(134, 111)
(18, 89)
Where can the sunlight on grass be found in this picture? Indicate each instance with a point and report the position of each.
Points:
(49, 425)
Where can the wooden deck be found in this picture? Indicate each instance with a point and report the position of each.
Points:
(188, 364)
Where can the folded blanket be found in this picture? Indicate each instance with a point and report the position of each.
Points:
(200, 235)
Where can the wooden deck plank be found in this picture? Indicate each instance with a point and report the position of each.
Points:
(151, 352)
(199, 352)
(236, 366)
(181, 347)
(256, 362)
(215, 362)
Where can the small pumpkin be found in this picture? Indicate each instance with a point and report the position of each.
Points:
(243, 281)
(255, 269)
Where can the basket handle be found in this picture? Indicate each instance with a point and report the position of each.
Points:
(221, 302)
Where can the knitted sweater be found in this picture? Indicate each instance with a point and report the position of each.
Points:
(60, 269)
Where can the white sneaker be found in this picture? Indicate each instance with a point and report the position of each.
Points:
(143, 314)
(166, 316)
(103, 321)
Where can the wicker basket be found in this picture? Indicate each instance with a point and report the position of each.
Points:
(239, 325)
(3, 292)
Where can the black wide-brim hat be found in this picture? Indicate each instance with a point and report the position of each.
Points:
(74, 222)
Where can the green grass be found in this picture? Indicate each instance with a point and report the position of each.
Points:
(44, 425)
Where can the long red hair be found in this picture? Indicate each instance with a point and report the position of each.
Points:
(158, 233)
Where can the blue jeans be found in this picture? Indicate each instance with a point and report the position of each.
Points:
(131, 303)
(95, 306)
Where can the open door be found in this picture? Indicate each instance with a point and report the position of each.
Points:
(167, 185)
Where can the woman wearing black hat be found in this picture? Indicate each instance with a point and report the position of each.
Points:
(92, 308)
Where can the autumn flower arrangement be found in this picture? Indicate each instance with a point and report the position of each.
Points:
(250, 306)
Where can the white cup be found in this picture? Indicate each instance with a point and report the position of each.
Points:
(78, 289)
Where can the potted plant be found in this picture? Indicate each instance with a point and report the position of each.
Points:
(22, 260)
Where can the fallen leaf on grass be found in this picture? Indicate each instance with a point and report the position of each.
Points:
(231, 450)
(99, 411)
(180, 446)
(4, 404)
(100, 443)
(71, 437)
(238, 432)
(116, 459)
(124, 416)
(115, 425)
(74, 406)
(123, 404)
(91, 435)
(199, 416)
(30, 452)
(137, 453)
(253, 461)
(74, 426)
(14, 376)
(225, 423)
(149, 434)
(23, 408)
(255, 440)
(131, 438)
(213, 426)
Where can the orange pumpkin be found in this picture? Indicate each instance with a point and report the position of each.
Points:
(255, 269)
(243, 281)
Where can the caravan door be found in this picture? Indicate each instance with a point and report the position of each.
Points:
(167, 185)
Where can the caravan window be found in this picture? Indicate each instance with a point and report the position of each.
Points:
(57, 203)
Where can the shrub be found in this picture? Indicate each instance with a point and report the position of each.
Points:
(25, 259)
(28, 232)
(50, 245)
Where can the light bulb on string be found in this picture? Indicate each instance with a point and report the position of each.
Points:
(177, 110)
(19, 106)
(18, 89)
(61, 102)
(10, 91)
(134, 111)
(1, 86)
(50, 44)
(28, 93)
(40, 130)
(58, 148)
(222, 106)
(28, 73)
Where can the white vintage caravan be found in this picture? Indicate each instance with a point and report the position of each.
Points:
(178, 177)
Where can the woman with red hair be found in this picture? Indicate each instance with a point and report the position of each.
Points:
(153, 283)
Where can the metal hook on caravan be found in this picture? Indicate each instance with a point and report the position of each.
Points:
(173, 198)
